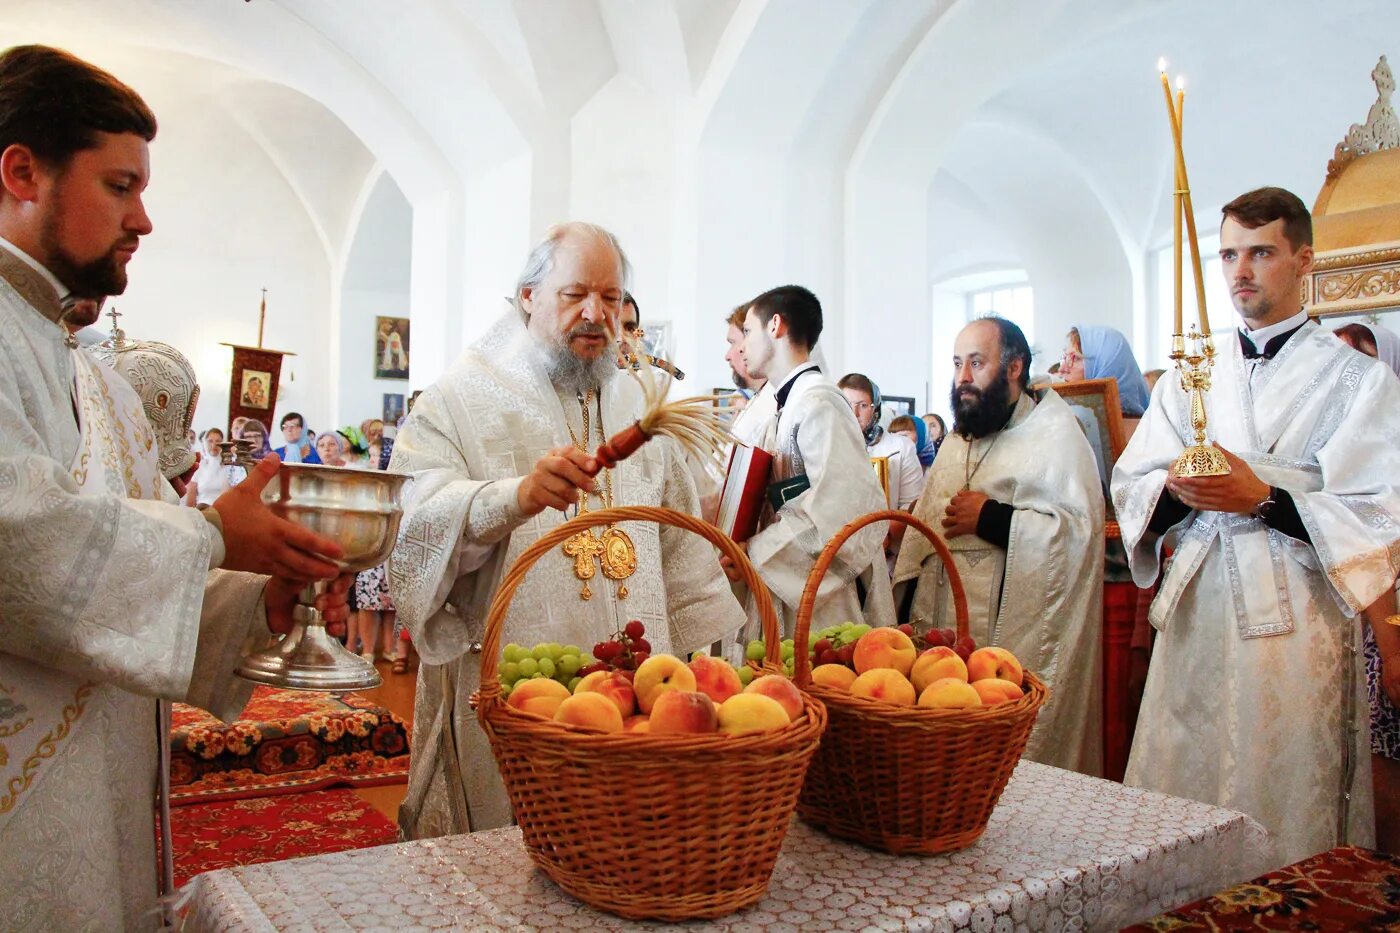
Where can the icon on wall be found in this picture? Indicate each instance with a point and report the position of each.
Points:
(391, 348)
(393, 408)
(254, 390)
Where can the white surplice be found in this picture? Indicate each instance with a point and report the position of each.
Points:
(1254, 699)
(1041, 597)
(470, 439)
(106, 602)
(815, 434)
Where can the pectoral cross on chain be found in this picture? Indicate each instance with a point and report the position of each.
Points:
(584, 547)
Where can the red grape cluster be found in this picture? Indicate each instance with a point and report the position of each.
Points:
(624, 652)
(936, 637)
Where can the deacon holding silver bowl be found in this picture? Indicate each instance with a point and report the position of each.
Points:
(113, 594)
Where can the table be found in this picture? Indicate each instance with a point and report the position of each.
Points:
(1062, 851)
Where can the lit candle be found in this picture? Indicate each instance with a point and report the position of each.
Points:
(1190, 213)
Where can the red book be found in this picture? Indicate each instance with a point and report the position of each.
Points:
(745, 484)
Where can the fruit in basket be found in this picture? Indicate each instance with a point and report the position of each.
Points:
(683, 712)
(658, 674)
(834, 675)
(935, 664)
(591, 710)
(780, 689)
(994, 662)
(563, 663)
(746, 675)
(638, 723)
(751, 712)
(613, 686)
(715, 678)
(884, 684)
(539, 695)
(964, 647)
(884, 648)
(994, 692)
(950, 693)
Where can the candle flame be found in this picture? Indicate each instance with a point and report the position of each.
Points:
(1181, 82)
(1162, 65)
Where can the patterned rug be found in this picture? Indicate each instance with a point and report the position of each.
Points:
(287, 741)
(1347, 888)
(226, 833)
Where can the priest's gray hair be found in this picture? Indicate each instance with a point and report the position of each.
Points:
(541, 258)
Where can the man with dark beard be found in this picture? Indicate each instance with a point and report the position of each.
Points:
(501, 451)
(1016, 494)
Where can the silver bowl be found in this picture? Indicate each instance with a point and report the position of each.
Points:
(360, 510)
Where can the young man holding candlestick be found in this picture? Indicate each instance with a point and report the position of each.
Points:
(1255, 699)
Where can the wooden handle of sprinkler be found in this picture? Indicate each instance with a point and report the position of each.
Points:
(620, 446)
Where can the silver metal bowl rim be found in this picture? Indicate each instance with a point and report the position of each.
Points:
(328, 469)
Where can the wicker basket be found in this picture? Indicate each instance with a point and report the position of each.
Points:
(669, 827)
(907, 779)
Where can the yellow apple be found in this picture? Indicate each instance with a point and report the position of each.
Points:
(751, 712)
(658, 674)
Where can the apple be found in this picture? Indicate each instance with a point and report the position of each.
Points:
(541, 696)
(935, 664)
(751, 712)
(591, 710)
(781, 689)
(683, 711)
(950, 693)
(994, 662)
(658, 674)
(884, 684)
(614, 686)
(884, 647)
(834, 675)
(715, 678)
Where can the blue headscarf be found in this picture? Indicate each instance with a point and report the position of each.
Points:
(1107, 355)
(927, 449)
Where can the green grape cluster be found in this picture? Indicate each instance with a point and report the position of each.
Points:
(756, 651)
(835, 644)
(548, 659)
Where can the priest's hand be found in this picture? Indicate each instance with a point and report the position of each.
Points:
(257, 541)
(730, 568)
(960, 518)
(280, 599)
(1241, 491)
(556, 479)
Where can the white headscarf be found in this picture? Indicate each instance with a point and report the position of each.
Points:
(1387, 346)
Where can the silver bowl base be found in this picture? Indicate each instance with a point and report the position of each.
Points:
(308, 658)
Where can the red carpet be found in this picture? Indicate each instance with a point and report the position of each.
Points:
(226, 833)
(1345, 889)
(286, 741)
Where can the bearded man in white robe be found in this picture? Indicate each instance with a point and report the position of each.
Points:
(1254, 699)
(821, 477)
(1017, 496)
(501, 449)
(107, 595)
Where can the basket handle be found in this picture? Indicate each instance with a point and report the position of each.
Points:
(802, 669)
(490, 689)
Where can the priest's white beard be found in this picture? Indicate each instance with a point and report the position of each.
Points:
(567, 371)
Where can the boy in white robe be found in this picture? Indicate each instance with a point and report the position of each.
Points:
(1254, 699)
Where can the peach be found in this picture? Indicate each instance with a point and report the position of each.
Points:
(994, 691)
(935, 664)
(715, 678)
(591, 710)
(658, 674)
(781, 689)
(884, 647)
(834, 675)
(638, 723)
(950, 693)
(614, 686)
(540, 696)
(884, 684)
(994, 662)
(683, 711)
(751, 712)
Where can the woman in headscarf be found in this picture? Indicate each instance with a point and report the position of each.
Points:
(255, 431)
(1095, 352)
(1382, 680)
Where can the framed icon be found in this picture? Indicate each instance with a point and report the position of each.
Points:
(391, 347)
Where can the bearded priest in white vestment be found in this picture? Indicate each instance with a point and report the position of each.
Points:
(1255, 699)
(1016, 494)
(499, 449)
(821, 477)
(107, 595)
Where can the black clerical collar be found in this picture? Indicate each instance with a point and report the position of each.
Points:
(781, 395)
(1272, 344)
